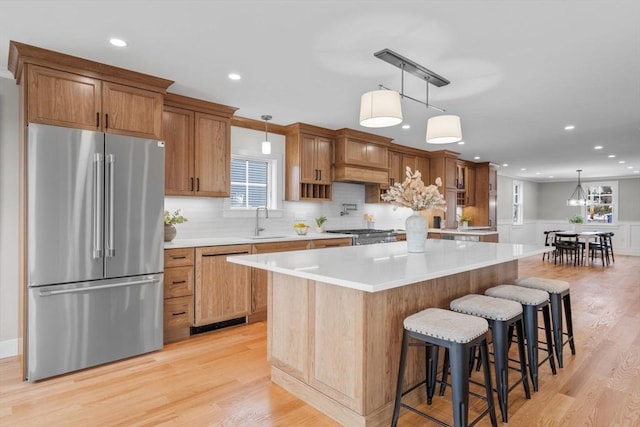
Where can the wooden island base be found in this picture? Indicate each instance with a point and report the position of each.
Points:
(338, 348)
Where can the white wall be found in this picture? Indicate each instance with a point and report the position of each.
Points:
(9, 140)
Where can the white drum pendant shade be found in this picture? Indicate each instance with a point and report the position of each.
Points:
(444, 130)
(380, 108)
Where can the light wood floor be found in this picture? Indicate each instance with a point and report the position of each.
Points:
(222, 378)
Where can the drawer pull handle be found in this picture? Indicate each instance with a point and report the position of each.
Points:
(179, 283)
(179, 314)
(178, 257)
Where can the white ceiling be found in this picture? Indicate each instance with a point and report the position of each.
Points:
(520, 70)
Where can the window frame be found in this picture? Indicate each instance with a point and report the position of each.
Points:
(586, 210)
(271, 185)
(517, 199)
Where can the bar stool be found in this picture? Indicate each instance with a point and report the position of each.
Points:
(531, 300)
(502, 314)
(559, 293)
(458, 333)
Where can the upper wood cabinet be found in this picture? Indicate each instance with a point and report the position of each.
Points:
(64, 90)
(465, 183)
(197, 137)
(398, 159)
(361, 157)
(485, 209)
(309, 150)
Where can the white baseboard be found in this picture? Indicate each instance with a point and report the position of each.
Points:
(8, 348)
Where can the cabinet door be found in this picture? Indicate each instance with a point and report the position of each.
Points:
(259, 276)
(177, 129)
(212, 156)
(131, 111)
(308, 164)
(396, 174)
(323, 159)
(423, 164)
(63, 99)
(222, 288)
(376, 156)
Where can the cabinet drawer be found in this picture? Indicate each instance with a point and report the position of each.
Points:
(178, 282)
(178, 312)
(178, 257)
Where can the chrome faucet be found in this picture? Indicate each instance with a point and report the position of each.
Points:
(266, 215)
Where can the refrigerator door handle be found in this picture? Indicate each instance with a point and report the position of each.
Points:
(98, 218)
(45, 293)
(110, 252)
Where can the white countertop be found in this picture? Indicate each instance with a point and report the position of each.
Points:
(468, 231)
(248, 240)
(382, 266)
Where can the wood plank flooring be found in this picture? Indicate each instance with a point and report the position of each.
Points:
(222, 378)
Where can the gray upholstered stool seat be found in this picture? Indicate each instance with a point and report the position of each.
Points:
(531, 300)
(552, 286)
(517, 293)
(446, 325)
(486, 307)
(559, 294)
(458, 333)
(503, 315)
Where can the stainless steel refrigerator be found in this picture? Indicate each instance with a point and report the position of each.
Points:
(95, 248)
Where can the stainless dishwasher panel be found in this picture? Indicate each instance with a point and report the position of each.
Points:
(78, 325)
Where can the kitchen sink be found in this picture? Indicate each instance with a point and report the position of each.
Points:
(266, 237)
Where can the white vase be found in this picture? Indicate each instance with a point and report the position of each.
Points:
(577, 228)
(416, 232)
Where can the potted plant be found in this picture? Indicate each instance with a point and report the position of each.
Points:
(464, 221)
(170, 220)
(320, 223)
(577, 221)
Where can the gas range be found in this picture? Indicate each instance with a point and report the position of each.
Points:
(368, 236)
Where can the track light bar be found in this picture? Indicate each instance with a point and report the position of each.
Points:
(411, 67)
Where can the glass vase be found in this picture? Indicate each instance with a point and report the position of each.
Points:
(416, 232)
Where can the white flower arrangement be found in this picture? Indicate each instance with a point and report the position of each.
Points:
(412, 193)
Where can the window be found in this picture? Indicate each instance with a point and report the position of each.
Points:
(251, 183)
(602, 208)
(517, 202)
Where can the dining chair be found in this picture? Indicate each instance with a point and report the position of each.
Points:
(549, 237)
(567, 245)
(603, 247)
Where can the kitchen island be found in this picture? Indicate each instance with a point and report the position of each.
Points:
(335, 315)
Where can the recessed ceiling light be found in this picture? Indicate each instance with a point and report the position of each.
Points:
(118, 42)
(476, 158)
(505, 164)
(598, 147)
(550, 176)
(569, 127)
(461, 143)
(636, 171)
(611, 156)
(629, 167)
(622, 161)
(523, 169)
(406, 126)
(234, 76)
(537, 173)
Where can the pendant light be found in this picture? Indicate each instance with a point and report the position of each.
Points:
(578, 197)
(444, 129)
(266, 145)
(382, 108)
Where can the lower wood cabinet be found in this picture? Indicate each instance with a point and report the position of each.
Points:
(223, 289)
(259, 277)
(178, 293)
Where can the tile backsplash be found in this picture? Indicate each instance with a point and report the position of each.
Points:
(211, 217)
